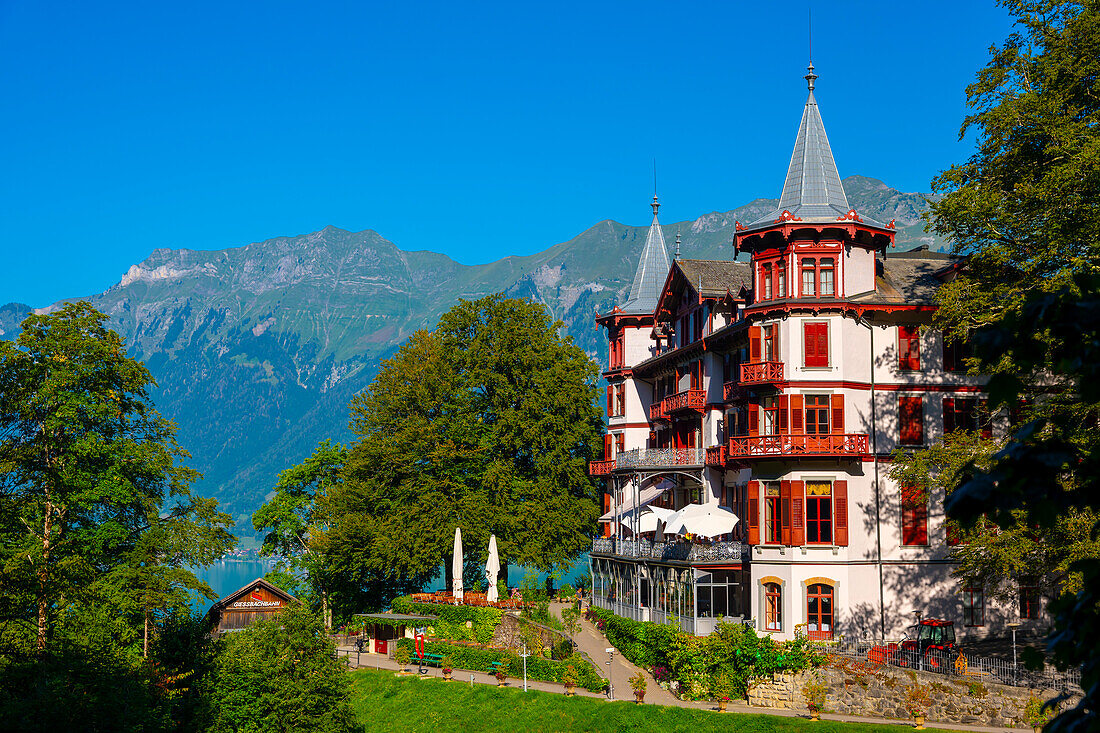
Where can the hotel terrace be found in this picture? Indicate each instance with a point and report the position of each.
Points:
(776, 387)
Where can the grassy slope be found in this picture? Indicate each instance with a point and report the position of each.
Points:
(384, 702)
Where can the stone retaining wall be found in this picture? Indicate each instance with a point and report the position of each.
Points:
(858, 689)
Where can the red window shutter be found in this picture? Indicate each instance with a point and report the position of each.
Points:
(815, 340)
(610, 400)
(607, 447)
(948, 415)
(754, 512)
(909, 348)
(840, 512)
(785, 512)
(914, 516)
(773, 342)
(798, 513)
(797, 413)
(838, 413)
(754, 420)
(911, 417)
(783, 402)
(754, 344)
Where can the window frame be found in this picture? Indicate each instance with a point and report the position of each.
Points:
(914, 516)
(909, 348)
(773, 606)
(910, 420)
(825, 407)
(973, 616)
(819, 501)
(772, 529)
(821, 596)
(819, 360)
(1030, 601)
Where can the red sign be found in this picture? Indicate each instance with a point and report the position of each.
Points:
(419, 645)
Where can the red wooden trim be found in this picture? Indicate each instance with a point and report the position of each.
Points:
(754, 512)
(840, 512)
(785, 512)
(798, 513)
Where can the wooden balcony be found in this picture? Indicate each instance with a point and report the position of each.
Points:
(691, 399)
(657, 411)
(732, 391)
(780, 446)
(600, 468)
(764, 372)
(716, 456)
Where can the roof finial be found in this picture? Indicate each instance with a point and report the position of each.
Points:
(655, 205)
(677, 243)
(810, 75)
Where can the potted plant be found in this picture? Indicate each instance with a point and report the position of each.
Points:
(638, 684)
(402, 655)
(569, 678)
(501, 674)
(1036, 715)
(917, 701)
(448, 666)
(814, 692)
(721, 688)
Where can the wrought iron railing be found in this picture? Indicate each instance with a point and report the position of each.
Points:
(841, 444)
(642, 457)
(762, 372)
(683, 551)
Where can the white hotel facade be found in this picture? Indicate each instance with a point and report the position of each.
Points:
(778, 388)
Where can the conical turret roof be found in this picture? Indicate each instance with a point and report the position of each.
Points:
(812, 190)
(652, 270)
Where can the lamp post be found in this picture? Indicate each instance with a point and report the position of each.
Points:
(524, 655)
(610, 685)
(1015, 674)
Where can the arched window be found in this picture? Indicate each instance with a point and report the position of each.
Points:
(773, 607)
(826, 278)
(819, 611)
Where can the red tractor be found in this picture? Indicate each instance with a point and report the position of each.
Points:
(930, 647)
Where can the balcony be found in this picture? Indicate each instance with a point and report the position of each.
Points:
(732, 391)
(689, 552)
(716, 456)
(764, 372)
(657, 411)
(600, 468)
(658, 457)
(691, 399)
(779, 446)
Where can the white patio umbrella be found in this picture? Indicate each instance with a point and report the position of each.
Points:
(492, 567)
(706, 520)
(456, 566)
(647, 521)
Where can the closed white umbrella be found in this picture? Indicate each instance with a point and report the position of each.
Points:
(706, 520)
(456, 566)
(492, 567)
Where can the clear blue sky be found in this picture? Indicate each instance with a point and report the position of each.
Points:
(474, 129)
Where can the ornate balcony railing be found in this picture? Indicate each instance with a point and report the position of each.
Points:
(732, 391)
(682, 551)
(657, 411)
(644, 457)
(600, 468)
(691, 399)
(844, 444)
(716, 456)
(762, 372)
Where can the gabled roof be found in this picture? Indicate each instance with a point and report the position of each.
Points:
(812, 190)
(911, 277)
(225, 601)
(716, 277)
(652, 270)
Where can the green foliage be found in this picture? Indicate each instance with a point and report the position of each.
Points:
(478, 658)
(93, 500)
(486, 423)
(918, 698)
(567, 591)
(447, 662)
(292, 522)
(281, 674)
(1036, 714)
(976, 689)
(1023, 208)
(638, 683)
(452, 619)
(814, 692)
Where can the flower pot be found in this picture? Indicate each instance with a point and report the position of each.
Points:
(722, 705)
(446, 674)
(639, 696)
(815, 715)
(919, 719)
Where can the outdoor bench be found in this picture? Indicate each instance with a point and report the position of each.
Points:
(429, 659)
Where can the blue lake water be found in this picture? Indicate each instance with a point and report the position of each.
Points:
(227, 576)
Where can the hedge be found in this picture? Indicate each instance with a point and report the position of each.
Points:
(479, 658)
(452, 619)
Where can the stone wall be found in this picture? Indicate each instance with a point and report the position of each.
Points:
(858, 689)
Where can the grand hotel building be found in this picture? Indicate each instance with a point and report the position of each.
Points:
(778, 387)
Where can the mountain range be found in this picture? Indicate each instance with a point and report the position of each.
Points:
(258, 349)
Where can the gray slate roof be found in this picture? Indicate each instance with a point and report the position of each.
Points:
(652, 271)
(812, 191)
(910, 277)
(715, 277)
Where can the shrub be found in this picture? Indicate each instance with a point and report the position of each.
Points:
(814, 692)
(1035, 714)
(569, 676)
(447, 663)
(402, 655)
(567, 591)
(638, 683)
(918, 698)
(452, 619)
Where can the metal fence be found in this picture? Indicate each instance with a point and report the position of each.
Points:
(954, 663)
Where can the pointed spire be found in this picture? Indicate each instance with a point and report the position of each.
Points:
(812, 189)
(652, 269)
(677, 244)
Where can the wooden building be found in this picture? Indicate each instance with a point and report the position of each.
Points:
(257, 600)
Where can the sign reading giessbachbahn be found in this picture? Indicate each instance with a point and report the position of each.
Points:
(259, 599)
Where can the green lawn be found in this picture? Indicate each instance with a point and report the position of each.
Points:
(385, 702)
